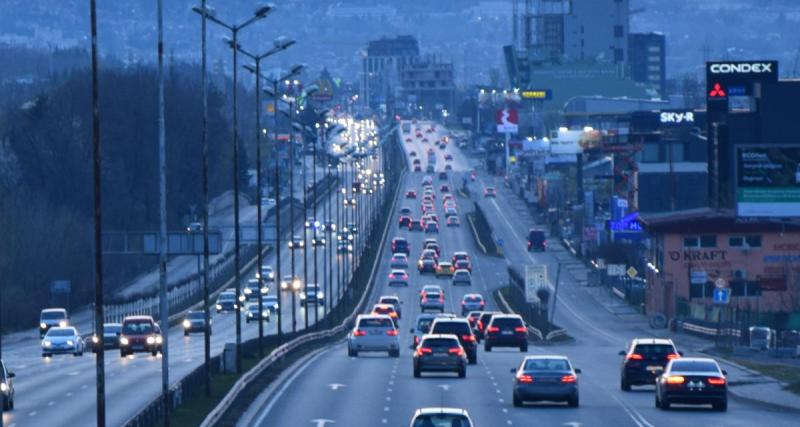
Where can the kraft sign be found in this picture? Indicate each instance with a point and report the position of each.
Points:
(743, 68)
(676, 118)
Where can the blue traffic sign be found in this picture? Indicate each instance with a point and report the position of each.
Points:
(722, 296)
(500, 242)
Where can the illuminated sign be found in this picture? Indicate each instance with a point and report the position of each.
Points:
(743, 68)
(676, 118)
(725, 79)
(717, 91)
(537, 94)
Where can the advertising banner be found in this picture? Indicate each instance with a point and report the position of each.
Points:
(768, 181)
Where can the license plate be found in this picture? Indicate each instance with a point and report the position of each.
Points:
(138, 347)
(654, 369)
(697, 385)
(506, 333)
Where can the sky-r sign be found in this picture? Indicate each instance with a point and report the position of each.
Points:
(667, 117)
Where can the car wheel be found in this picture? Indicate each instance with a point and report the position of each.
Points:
(517, 401)
(624, 385)
(574, 402)
(7, 404)
(462, 373)
(11, 403)
(720, 406)
(417, 372)
(487, 347)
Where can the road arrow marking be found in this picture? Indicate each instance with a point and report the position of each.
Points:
(445, 387)
(322, 422)
(335, 386)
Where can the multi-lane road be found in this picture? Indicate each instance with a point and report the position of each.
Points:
(60, 391)
(330, 388)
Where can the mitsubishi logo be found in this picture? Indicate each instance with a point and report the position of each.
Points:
(717, 91)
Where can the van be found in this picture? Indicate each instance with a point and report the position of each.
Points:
(52, 317)
(536, 240)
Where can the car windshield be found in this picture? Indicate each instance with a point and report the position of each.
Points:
(53, 315)
(473, 298)
(393, 301)
(424, 325)
(506, 322)
(270, 299)
(137, 327)
(455, 328)
(440, 343)
(227, 297)
(375, 322)
(654, 349)
(441, 420)
(694, 366)
(61, 332)
(462, 275)
(546, 365)
(196, 315)
(111, 329)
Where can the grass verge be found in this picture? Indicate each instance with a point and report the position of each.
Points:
(788, 374)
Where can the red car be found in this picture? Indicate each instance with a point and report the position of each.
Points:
(411, 194)
(489, 192)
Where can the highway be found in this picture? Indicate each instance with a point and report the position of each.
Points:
(374, 390)
(60, 391)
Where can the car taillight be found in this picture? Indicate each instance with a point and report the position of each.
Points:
(392, 332)
(468, 338)
(569, 379)
(393, 314)
(359, 333)
(441, 299)
(634, 356)
(480, 325)
(457, 351)
(483, 303)
(493, 329)
(421, 351)
(675, 379)
(716, 381)
(520, 329)
(672, 356)
(525, 379)
(416, 341)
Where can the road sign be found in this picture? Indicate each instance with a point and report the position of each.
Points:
(500, 242)
(178, 243)
(507, 120)
(722, 296)
(249, 233)
(632, 272)
(535, 278)
(616, 270)
(720, 283)
(698, 277)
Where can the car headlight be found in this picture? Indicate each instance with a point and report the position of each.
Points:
(62, 323)
(151, 340)
(187, 324)
(248, 291)
(350, 248)
(291, 244)
(3, 387)
(70, 342)
(284, 285)
(123, 341)
(275, 306)
(302, 244)
(159, 340)
(271, 276)
(296, 285)
(308, 224)
(241, 298)
(218, 306)
(95, 339)
(264, 291)
(265, 314)
(303, 296)
(320, 295)
(350, 237)
(235, 306)
(249, 314)
(43, 325)
(46, 343)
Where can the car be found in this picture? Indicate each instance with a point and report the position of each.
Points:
(449, 204)
(448, 157)
(472, 318)
(445, 269)
(195, 322)
(473, 176)
(251, 289)
(441, 417)
(448, 167)
(417, 168)
(537, 240)
(440, 353)
(545, 378)
(399, 261)
(52, 317)
(226, 302)
(418, 135)
(444, 188)
(428, 192)
(462, 278)
(644, 359)
(62, 340)
(412, 153)
(431, 300)
(6, 386)
(395, 301)
(425, 140)
(450, 212)
(427, 265)
(398, 277)
(343, 246)
(312, 294)
(463, 264)
(489, 192)
(388, 310)
(408, 139)
(296, 242)
(442, 176)
(140, 334)
(267, 273)
(400, 245)
(318, 237)
(352, 228)
(429, 168)
(411, 194)
(373, 332)
(483, 321)
(271, 302)
(472, 303)
(290, 283)
(329, 226)
(431, 227)
(506, 330)
(404, 220)
(692, 381)
(458, 256)
(422, 325)
(442, 146)
(461, 329)
(312, 223)
(427, 180)
(415, 226)
(430, 250)
(405, 210)
(427, 208)
(416, 162)
(251, 312)
(111, 332)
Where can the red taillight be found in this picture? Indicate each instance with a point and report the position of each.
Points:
(423, 351)
(520, 329)
(441, 299)
(393, 314)
(480, 325)
(359, 333)
(468, 338)
(416, 341)
(716, 381)
(525, 379)
(392, 332)
(483, 303)
(672, 356)
(634, 356)
(569, 379)
(675, 379)
(493, 329)
(457, 351)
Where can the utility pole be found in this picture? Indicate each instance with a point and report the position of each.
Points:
(98, 225)
(276, 150)
(260, 249)
(206, 251)
(291, 211)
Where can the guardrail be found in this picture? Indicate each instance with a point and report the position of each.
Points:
(475, 234)
(709, 331)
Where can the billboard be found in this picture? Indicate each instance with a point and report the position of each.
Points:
(768, 181)
(736, 78)
(507, 120)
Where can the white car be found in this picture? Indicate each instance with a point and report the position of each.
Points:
(373, 332)
(445, 417)
(64, 340)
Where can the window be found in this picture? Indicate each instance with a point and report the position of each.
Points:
(707, 241)
(691, 242)
(745, 242)
(619, 31)
(650, 153)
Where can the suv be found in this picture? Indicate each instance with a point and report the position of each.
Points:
(460, 328)
(472, 302)
(645, 359)
(423, 326)
(536, 240)
(483, 322)
(51, 317)
(506, 330)
(395, 301)
(400, 245)
(440, 353)
(424, 417)
(373, 332)
(312, 294)
(139, 334)
(432, 299)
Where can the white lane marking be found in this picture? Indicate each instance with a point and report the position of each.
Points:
(386, 409)
(69, 394)
(32, 413)
(572, 424)
(632, 413)
(388, 398)
(285, 386)
(84, 387)
(322, 422)
(335, 386)
(51, 403)
(74, 373)
(505, 411)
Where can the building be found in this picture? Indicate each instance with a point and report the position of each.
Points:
(428, 85)
(381, 65)
(647, 60)
(595, 30)
(695, 251)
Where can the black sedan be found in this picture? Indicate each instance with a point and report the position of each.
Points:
(546, 378)
(694, 381)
